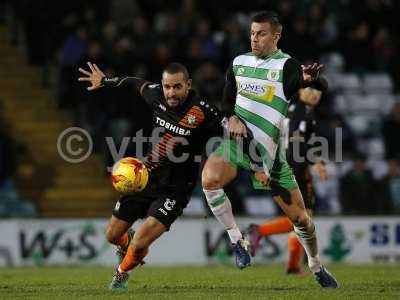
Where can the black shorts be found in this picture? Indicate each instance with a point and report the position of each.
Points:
(129, 208)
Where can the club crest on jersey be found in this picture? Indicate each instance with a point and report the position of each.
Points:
(273, 75)
(240, 71)
(191, 119)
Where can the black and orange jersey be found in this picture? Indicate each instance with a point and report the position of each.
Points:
(179, 137)
(301, 127)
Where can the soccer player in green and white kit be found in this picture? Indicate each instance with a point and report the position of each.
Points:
(259, 87)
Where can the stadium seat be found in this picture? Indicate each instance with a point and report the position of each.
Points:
(333, 79)
(376, 148)
(377, 83)
(344, 167)
(370, 103)
(341, 105)
(378, 168)
(349, 83)
(355, 103)
(333, 62)
(385, 102)
(363, 124)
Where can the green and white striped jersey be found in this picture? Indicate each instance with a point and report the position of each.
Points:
(261, 101)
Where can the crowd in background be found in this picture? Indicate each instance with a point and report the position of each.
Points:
(128, 37)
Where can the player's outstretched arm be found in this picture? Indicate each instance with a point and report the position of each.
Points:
(94, 77)
(98, 79)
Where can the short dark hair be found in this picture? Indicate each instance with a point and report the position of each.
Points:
(268, 16)
(175, 67)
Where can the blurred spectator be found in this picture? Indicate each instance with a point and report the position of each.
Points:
(161, 57)
(389, 199)
(36, 23)
(7, 154)
(357, 48)
(109, 36)
(121, 58)
(383, 50)
(11, 205)
(209, 82)
(390, 132)
(235, 42)
(335, 129)
(188, 16)
(123, 11)
(300, 44)
(91, 110)
(143, 39)
(358, 189)
(208, 47)
(72, 52)
(194, 55)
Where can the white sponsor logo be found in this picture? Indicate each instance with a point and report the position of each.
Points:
(152, 86)
(117, 206)
(162, 107)
(169, 204)
(163, 211)
(172, 127)
(113, 79)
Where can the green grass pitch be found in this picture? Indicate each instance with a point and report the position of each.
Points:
(213, 282)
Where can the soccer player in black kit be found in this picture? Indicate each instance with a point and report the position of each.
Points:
(186, 123)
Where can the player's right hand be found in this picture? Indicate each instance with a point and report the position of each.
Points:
(94, 78)
(311, 72)
(236, 128)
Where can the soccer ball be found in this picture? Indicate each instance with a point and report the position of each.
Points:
(129, 175)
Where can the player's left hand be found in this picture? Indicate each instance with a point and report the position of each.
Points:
(320, 169)
(261, 177)
(311, 72)
(236, 128)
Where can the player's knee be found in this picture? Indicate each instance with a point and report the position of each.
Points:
(211, 180)
(301, 220)
(112, 236)
(139, 245)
